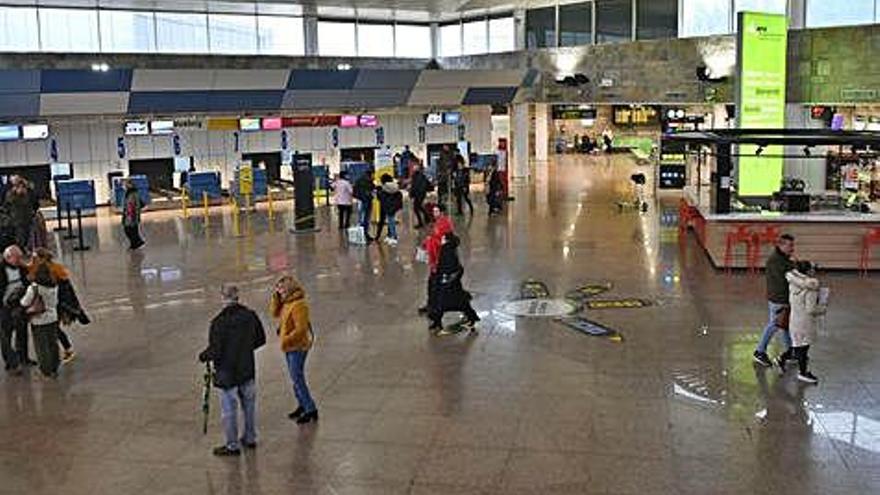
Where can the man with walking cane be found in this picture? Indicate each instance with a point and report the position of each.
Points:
(234, 336)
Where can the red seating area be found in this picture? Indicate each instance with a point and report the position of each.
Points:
(690, 217)
(870, 239)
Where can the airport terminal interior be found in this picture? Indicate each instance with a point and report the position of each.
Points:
(647, 178)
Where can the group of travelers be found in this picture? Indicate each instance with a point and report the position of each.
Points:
(234, 335)
(796, 306)
(38, 293)
(452, 177)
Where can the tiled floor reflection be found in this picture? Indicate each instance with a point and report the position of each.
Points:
(525, 406)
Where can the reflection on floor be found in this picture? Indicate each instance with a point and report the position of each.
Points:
(525, 406)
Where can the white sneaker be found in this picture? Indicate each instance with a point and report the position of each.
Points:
(392, 242)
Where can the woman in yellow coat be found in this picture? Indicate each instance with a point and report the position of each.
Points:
(290, 308)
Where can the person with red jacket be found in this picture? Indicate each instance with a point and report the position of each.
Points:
(432, 244)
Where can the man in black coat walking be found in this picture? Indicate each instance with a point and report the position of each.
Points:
(364, 189)
(234, 336)
(13, 323)
(418, 191)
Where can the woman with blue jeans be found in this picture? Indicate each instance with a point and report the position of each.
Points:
(289, 306)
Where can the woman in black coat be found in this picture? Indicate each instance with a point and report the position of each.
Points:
(449, 293)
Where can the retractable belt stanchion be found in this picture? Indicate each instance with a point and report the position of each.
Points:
(205, 208)
(79, 228)
(236, 225)
(70, 234)
(58, 216)
(271, 208)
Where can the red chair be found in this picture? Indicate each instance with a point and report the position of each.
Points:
(871, 238)
(740, 234)
(689, 216)
(768, 236)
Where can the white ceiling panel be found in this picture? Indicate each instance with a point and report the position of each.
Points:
(249, 79)
(83, 103)
(436, 96)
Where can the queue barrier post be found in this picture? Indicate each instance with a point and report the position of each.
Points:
(70, 234)
(79, 227)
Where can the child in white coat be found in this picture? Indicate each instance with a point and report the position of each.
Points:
(806, 311)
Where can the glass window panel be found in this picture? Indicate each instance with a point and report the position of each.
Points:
(450, 40)
(822, 13)
(336, 39)
(124, 31)
(69, 30)
(613, 21)
(541, 27)
(475, 37)
(705, 17)
(657, 19)
(769, 6)
(281, 35)
(412, 41)
(232, 33)
(375, 40)
(18, 30)
(576, 24)
(181, 33)
(502, 35)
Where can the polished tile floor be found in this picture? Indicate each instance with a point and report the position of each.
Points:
(525, 406)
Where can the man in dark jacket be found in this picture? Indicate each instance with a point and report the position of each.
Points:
(13, 324)
(418, 190)
(778, 264)
(234, 336)
(462, 186)
(363, 192)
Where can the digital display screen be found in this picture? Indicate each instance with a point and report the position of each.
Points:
(272, 124)
(837, 122)
(136, 129)
(368, 121)
(434, 119)
(181, 163)
(162, 126)
(35, 131)
(249, 124)
(452, 118)
(349, 121)
(9, 132)
(61, 170)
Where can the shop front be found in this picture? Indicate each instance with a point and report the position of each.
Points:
(745, 188)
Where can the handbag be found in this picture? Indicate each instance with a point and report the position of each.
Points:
(37, 306)
(421, 255)
(782, 317)
(356, 236)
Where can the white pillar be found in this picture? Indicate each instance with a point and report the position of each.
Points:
(542, 132)
(519, 162)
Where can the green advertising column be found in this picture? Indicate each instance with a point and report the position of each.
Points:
(760, 97)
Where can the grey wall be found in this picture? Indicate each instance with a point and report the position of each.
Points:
(835, 65)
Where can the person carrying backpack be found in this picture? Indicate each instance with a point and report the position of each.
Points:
(390, 202)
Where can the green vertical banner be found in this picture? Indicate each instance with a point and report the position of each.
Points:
(761, 57)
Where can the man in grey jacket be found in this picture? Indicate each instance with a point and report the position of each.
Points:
(778, 264)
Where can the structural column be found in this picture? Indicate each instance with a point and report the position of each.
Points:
(520, 127)
(310, 30)
(542, 132)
